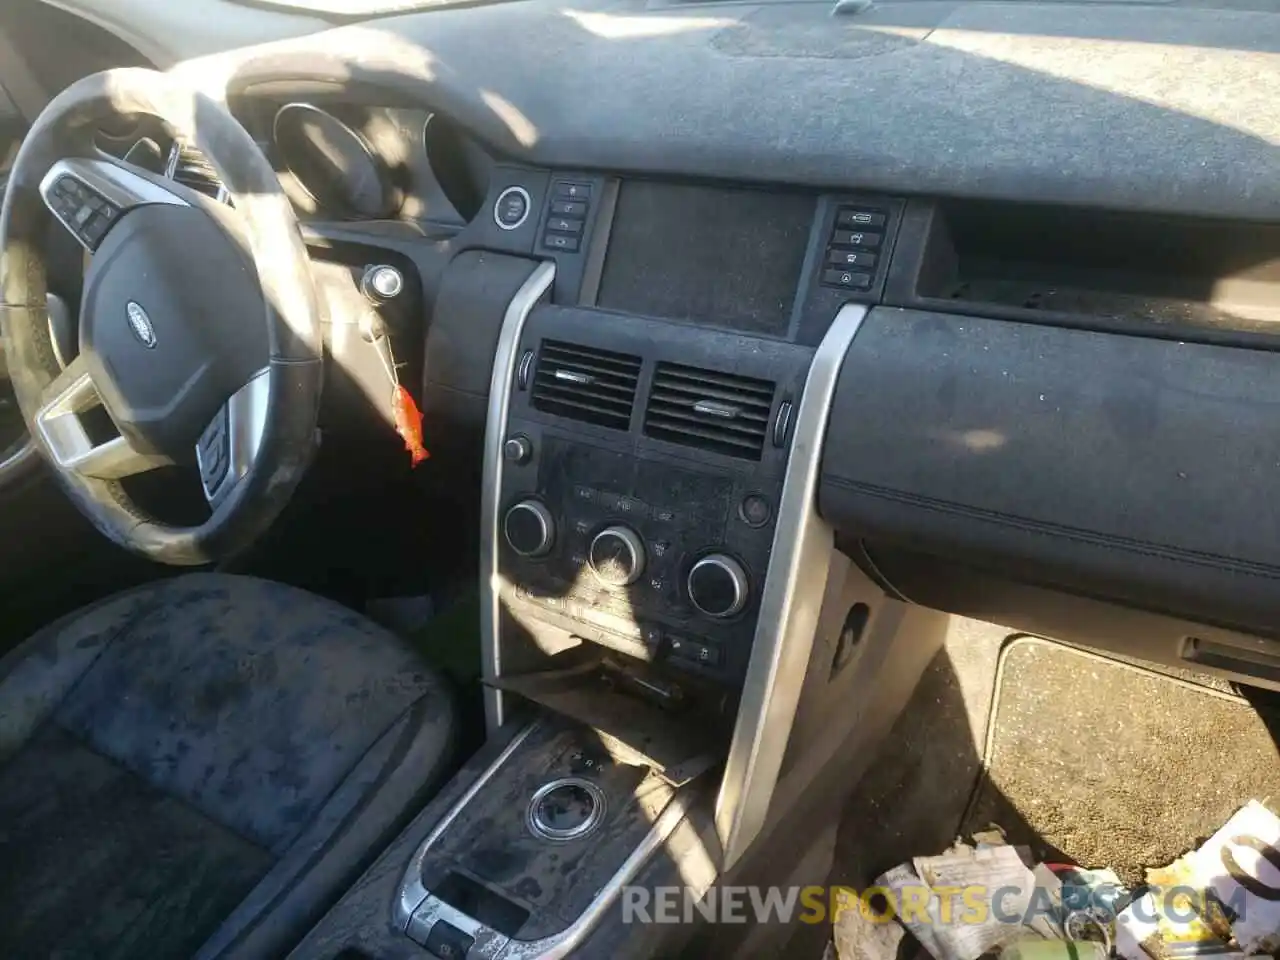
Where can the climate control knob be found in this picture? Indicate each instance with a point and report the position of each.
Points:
(530, 529)
(718, 586)
(617, 556)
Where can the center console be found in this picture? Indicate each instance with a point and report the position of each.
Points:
(645, 433)
(640, 486)
(664, 616)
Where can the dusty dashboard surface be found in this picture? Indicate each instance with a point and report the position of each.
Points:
(713, 183)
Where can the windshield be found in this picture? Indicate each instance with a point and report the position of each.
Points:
(353, 9)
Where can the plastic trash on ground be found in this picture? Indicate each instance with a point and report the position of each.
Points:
(946, 901)
(858, 937)
(1222, 899)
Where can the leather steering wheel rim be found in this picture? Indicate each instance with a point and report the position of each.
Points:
(269, 231)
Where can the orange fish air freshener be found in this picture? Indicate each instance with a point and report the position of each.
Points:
(409, 424)
(404, 412)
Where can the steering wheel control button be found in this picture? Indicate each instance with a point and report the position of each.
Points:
(88, 196)
(381, 282)
(530, 529)
(570, 808)
(512, 208)
(95, 230)
(517, 450)
(213, 453)
(570, 204)
(82, 210)
(617, 556)
(717, 586)
(755, 510)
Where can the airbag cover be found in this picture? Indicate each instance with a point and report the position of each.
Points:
(171, 324)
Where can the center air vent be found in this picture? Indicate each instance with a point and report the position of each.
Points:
(583, 383)
(719, 412)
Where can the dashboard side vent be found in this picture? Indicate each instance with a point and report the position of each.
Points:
(719, 412)
(189, 167)
(585, 383)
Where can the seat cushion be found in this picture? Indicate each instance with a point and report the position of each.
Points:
(78, 829)
(203, 753)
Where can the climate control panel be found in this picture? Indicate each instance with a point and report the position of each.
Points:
(658, 561)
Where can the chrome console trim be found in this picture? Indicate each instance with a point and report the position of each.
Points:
(412, 891)
(504, 360)
(789, 608)
(491, 945)
(415, 910)
(539, 827)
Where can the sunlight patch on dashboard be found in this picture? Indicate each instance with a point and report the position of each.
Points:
(521, 127)
(1245, 86)
(612, 26)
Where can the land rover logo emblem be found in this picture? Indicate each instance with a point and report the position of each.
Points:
(140, 323)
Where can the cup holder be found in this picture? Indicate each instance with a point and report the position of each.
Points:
(566, 809)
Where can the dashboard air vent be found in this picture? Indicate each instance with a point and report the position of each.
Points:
(719, 412)
(584, 383)
(188, 167)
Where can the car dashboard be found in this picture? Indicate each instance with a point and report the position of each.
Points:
(741, 330)
(1065, 260)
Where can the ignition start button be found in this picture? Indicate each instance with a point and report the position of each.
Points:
(567, 809)
(512, 208)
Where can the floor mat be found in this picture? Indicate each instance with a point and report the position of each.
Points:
(1108, 764)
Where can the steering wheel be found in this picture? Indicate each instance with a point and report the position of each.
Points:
(200, 328)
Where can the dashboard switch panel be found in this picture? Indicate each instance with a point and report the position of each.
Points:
(570, 205)
(849, 258)
(857, 232)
